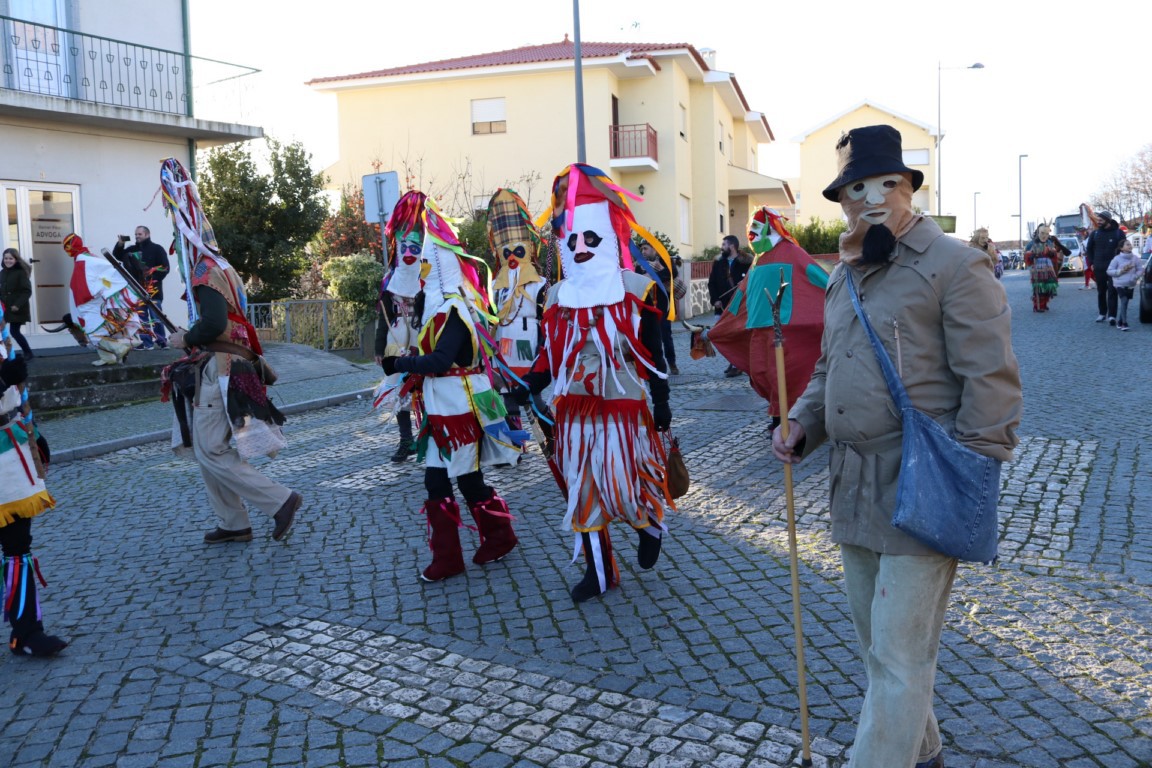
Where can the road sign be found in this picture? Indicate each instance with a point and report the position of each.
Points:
(381, 193)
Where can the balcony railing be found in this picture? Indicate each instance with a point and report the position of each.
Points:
(61, 62)
(628, 141)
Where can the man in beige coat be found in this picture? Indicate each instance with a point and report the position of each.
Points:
(945, 321)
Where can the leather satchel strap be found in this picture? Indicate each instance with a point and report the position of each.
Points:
(232, 348)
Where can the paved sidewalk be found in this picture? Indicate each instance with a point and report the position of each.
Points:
(327, 651)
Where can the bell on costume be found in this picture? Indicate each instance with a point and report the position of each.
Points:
(494, 522)
(443, 539)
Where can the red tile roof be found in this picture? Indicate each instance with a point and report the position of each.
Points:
(531, 54)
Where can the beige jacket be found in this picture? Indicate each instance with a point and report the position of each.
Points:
(945, 321)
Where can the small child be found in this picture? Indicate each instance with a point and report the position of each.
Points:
(1124, 271)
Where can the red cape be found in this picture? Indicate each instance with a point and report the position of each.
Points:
(744, 333)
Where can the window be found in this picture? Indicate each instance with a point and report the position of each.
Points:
(488, 116)
(720, 208)
(683, 122)
(685, 220)
(915, 157)
(720, 133)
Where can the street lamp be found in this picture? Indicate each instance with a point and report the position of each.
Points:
(939, 130)
(975, 221)
(1020, 187)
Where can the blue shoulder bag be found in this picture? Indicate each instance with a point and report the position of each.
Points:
(946, 495)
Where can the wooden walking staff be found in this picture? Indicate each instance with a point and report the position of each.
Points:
(782, 388)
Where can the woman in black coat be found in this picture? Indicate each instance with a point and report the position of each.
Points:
(16, 295)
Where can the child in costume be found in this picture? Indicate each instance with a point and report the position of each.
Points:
(398, 322)
(518, 289)
(23, 454)
(463, 424)
(102, 304)
(744, 332)
(603, 355)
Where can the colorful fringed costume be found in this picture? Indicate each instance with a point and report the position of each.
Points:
(102, 304)
(463, 424)
(229, 390)
(743, 334)
(23, 496)
(603, 356)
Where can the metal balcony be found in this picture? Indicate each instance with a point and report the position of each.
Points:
(633, 148)
(63, 63)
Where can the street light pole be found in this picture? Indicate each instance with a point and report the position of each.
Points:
(1020, 188)
(975, 221)
(940, 130)
(581, 155)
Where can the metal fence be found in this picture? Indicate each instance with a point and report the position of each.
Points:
(325, 324)
(37, 58)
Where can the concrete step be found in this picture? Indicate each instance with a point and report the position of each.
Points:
(70, 381)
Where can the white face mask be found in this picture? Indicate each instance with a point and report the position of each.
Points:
(871, 198)
(405, 280)
(442, 276)
(590, 254)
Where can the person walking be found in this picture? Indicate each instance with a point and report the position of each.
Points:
(943, 316)
(727, 272)
(1124, 272)
(16, 295)
(664, 299)
(1043, 257)
(1100, 248)
(464, 427)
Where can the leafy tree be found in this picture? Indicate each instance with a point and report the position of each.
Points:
(345, 232)
(264, 221)
(473, 234)
(355, 279)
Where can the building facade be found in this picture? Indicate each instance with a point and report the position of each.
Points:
(818, 158)
(93, 96)
(661, 120)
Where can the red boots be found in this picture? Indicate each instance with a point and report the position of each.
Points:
(443, 539)
(494, 523)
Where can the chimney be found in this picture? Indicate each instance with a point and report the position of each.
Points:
(709, 56)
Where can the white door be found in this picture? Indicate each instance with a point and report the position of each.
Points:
(36, 218)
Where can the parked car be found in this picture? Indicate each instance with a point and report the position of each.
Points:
(1073, 265)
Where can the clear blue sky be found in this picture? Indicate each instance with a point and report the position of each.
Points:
(1052, 87)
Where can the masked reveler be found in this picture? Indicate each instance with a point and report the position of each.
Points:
(518, 290)
(744, 332)
(23, 496)
(604, 357)
(463, 427)
(398, 322)
(102, 304)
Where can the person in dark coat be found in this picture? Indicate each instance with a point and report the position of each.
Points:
(727, 272)
(148, 263)
(1102, 245)
(16, 295)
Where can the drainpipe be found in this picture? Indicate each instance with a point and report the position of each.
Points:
(185, 14)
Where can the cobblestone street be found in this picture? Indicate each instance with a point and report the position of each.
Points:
(327, 650)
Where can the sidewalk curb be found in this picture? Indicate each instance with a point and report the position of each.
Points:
(67, 455)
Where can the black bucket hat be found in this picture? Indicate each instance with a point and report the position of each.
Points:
(873, 150)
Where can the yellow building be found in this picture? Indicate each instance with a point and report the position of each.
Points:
(660, 119)
(818, 158)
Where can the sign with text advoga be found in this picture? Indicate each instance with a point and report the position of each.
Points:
(49, 230)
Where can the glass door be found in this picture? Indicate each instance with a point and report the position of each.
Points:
(36, 219)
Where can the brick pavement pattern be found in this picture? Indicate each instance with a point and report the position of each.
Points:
(327, 650)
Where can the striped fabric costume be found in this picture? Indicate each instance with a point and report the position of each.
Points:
(463, 426)
(603, 356)
(101, 303)
(23, 496)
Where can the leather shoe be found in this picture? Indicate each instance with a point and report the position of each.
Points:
(936, 762)
(219, 536)
(286, 515)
